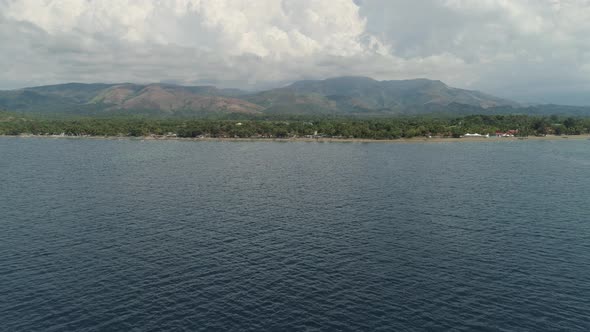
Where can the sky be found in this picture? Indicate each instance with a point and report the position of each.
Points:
(530, 51)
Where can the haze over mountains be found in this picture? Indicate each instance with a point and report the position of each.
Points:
(345, 96)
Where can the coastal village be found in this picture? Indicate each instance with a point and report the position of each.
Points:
(509, 133)
(315, 136)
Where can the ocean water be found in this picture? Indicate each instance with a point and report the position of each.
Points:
(123, 235)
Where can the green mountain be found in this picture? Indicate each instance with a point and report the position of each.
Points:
(365, 95)
(341, 96)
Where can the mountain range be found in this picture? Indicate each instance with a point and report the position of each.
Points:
(344, 96)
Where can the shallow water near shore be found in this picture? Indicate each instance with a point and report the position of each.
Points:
(103, 235)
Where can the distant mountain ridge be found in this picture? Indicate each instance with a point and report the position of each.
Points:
(156, 99)
(172, 98)
(366, 95)
(346, 96)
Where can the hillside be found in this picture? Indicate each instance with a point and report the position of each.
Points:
(366, 95)
(155, 99)
(171, 99)
(341, 96)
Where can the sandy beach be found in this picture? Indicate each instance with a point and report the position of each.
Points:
(323, 140)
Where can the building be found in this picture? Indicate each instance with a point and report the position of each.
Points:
(509, 133)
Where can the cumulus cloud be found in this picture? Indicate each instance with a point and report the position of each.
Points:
(529, 50)
(183, 40)
(533, 50)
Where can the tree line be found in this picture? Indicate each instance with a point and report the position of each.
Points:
(374, 128)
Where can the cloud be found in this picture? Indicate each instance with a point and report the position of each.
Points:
(187, 40)
(266, 28)
(529, 50)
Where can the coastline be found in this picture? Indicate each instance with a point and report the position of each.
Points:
(320, 140)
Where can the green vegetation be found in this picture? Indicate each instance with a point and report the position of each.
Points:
(339, 127)
(351, 97)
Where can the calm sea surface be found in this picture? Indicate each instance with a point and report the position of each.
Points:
(121, 235)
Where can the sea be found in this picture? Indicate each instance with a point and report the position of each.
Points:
(132, 235)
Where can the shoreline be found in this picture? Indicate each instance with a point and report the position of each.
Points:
(321, 140)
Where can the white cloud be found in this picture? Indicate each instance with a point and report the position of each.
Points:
(517, 48)
(525, 49)
(236, 27)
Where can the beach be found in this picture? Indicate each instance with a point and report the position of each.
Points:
(321, 139)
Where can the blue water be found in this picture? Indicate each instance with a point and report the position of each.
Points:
(121, 235)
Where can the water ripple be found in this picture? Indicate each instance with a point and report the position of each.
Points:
(122, 235)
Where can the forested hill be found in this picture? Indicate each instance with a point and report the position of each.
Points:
(358, 95)
(342, 96)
